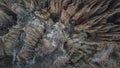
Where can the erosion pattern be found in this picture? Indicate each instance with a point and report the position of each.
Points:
(59, 33)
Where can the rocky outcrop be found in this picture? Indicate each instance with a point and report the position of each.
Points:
(60, 33)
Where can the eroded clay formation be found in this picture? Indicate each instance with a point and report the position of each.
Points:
(60, 33)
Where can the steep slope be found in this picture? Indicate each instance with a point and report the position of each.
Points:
(60, 33)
